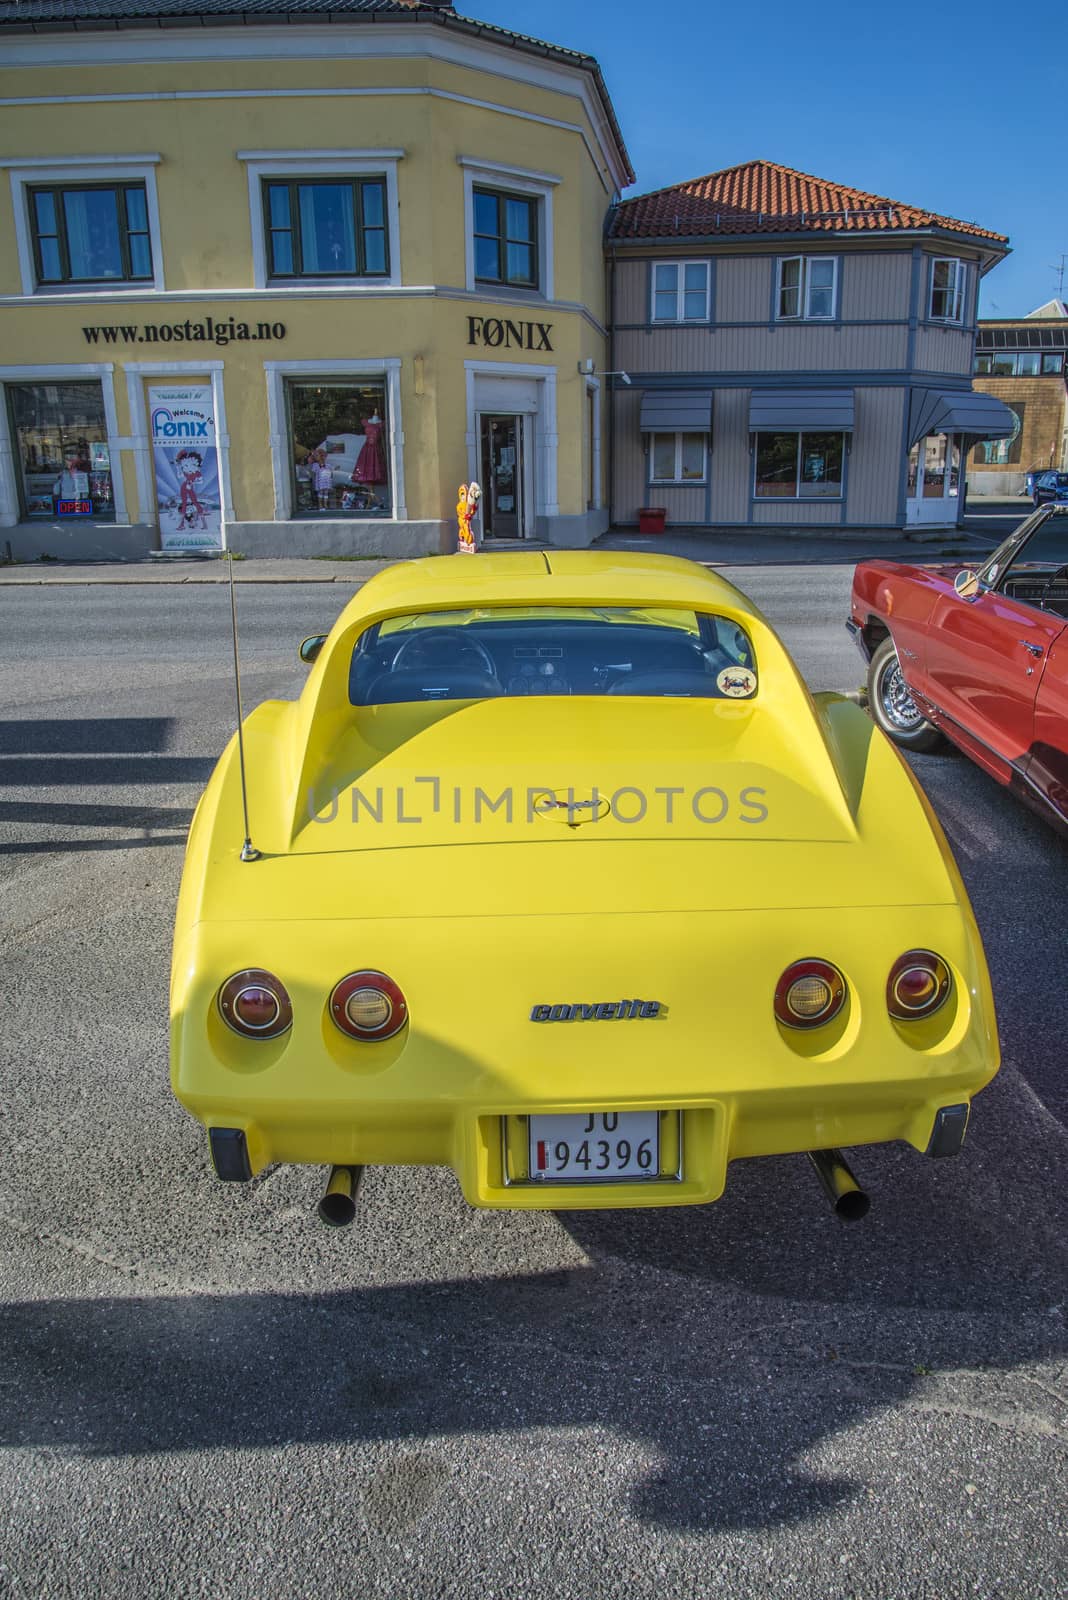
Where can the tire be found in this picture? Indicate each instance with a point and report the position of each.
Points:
(892, 706)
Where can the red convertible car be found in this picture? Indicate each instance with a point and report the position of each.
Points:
(980, 656)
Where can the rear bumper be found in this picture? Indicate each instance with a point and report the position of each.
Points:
(856, 633)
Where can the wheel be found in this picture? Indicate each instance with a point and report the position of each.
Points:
(892, 706)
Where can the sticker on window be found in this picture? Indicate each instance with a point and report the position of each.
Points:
(737, 682)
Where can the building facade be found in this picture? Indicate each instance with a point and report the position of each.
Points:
(796, 353)
(1023, 362)
(304, 277)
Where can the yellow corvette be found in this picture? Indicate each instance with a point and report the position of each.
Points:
(561, 878)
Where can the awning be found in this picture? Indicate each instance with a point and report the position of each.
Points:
(980, 416)
(788, 410)
(676, 411)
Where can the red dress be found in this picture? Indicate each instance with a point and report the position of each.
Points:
(370, 465)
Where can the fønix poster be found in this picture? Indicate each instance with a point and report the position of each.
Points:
(186, 459)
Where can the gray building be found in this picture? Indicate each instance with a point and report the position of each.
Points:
(798, 353)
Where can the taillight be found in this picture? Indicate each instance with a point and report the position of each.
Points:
(368, 1005)
(255, 1004)
(919, 983)
(809, 993)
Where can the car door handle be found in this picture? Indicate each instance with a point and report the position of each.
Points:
(1035, 649)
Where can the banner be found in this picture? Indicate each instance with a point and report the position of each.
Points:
(186, 459)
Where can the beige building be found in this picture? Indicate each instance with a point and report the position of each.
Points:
(1024, 363)
(798, 353)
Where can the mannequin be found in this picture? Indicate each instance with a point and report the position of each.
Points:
(370, 465)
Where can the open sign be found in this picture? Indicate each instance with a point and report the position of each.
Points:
(74, 508)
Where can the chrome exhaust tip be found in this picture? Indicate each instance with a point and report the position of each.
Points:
(337, 1208)
(848, 1200)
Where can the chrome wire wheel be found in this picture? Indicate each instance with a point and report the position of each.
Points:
(891, 704)
(898, 706)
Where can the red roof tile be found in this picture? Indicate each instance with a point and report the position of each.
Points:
(763, 197)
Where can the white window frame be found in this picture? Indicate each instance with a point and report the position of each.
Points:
(388, 368)
(265, 164)
(804, 314)
(680, 294)
(479, 174)
(960, 285)
(678, 480)
(26, 172)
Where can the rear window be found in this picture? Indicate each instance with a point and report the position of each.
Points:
(610, 650)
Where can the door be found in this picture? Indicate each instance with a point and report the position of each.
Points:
(502, 475)
(934, 481)
(1048, 768)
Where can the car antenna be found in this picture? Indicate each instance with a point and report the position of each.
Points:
(248, 849)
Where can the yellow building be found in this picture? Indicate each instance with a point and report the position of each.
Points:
(300, 278)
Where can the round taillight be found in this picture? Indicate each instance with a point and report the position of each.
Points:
(368, 1005)
(255, 1004)
(919, 984)
(809, 993)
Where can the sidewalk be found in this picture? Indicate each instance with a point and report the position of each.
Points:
(717, 547)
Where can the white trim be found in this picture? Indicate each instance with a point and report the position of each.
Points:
(76, 169)
(593, 387)
(680, 318)
(960, 286)
(494, 175)
(322, 163)
(804, 287)
(276, 372)
(678, 481)
(173, 46)
(105, 372)
(141, 444)
(547, 439)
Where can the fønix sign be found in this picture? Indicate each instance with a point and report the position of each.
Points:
(503, 332)
(173, 425)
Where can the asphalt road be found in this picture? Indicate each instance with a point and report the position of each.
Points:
(202, 1392)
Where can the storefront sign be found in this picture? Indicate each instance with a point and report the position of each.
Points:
(224, 332)
(186, 459)
(495, 332)
(74, 508)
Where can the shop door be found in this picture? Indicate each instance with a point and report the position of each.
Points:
(934, 481)
(501, 473)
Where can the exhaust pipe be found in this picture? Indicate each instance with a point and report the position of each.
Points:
(337, 1208)
(848, 1199)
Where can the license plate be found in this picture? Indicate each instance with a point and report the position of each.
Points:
(595, 1147)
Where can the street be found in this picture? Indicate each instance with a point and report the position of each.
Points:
(203, 1392)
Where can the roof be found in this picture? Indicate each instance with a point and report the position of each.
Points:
(62, 16)
(1051, 309)
(762, 197)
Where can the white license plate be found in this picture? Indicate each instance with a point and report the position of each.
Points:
(595, 1146)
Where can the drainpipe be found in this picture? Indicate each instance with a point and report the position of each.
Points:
(608, 421)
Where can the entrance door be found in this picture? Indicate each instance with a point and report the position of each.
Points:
(934, 481)
(503, 511)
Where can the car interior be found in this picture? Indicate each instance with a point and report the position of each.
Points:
(480, 655)
(1037, 570)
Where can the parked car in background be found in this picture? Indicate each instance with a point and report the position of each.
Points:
(979, 656)
(566, 882)
(1050, 488)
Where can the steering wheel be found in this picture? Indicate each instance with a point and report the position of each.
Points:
(1062, 574)
(420, 650)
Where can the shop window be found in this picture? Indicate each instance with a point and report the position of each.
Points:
(61, 444)
(338, 449)
(326, 228)
(505, 238)
(946, 303)
(90, 233)
(680, 291)
(799, 466)
(807, 288)
(678, 457)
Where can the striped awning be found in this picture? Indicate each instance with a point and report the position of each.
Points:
(676, 411)
(788, 410)
(980, 416)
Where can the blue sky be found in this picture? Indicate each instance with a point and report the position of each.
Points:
(955, 107)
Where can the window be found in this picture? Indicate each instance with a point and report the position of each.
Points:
(326, 227)
(799, 466)
(678, 457)
(90, 233)
(983, 364)
(61, 445)
(506, 238)
(491, 652)
(1027, 364)
(1052, 366)
(947, 290)
(680, 291)
(807, 288)
(1002, 364)
(338, 448)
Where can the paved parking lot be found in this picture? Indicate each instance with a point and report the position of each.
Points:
(202, 1392)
